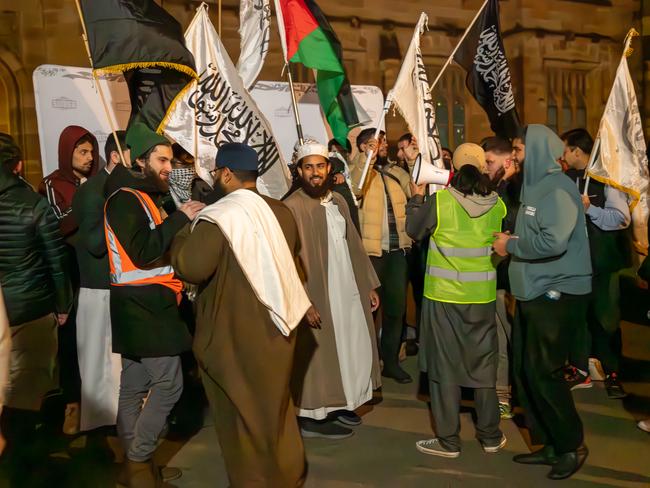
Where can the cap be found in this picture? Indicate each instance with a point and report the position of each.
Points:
(311, 148)
(236, 156)
(141, 138)
(469, 153)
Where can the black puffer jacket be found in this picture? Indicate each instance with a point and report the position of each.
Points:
(34, 270)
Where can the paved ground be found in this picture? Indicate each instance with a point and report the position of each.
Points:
(382, 453)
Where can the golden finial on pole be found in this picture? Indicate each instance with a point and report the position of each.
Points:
(632, 33)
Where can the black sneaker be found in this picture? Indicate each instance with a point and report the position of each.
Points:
(323, 429)
(346, 417)
(578, 380)
(398, 374)
(614, 387)
(493, 446)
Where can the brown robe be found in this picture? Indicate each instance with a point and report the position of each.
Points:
(245, 361)
(316, 381)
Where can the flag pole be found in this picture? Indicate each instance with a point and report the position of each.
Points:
(382, 117)
(301, 138)
(100, 90)
(453, 53)
(219, 18)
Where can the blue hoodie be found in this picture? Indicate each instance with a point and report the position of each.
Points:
(552, 248)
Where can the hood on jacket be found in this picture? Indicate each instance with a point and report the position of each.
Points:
(475, 205)
(543, 149)
(122, 177)
(67, 140)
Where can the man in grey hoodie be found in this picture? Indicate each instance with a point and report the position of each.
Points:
(550, 275)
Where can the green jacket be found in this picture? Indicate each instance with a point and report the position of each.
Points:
(90, 243)
(552, 248)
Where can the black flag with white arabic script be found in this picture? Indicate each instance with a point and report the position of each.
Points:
(488, 75)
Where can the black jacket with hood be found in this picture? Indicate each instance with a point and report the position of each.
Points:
(145, 319)
(34, 267)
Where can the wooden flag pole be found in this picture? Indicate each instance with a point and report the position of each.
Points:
(219, 15)
(453, 53)
(100, 90)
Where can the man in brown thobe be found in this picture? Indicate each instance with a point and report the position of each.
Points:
(337, 366)
(244, 357)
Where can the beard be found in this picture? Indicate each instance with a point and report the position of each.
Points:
(318, 191)
(161, 184)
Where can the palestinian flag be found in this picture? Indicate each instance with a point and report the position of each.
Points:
(140, 39)
(308, 38)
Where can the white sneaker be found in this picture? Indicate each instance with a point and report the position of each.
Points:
(495, 448)
(644, 425)
(596, 370)
(433, 447)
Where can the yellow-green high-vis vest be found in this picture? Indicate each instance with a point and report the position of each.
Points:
(459, 266)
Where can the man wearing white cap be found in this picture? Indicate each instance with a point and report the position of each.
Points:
(336, 365)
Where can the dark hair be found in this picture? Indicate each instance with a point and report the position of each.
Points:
(448, 150)
(365, 135)
(497, 145)
(85, 138)
(112, 146)
(522, 130)
(405, 138)
(147, 154)
(10, 154)
(578, 138)
(245, 175)
(469, 180)
(333, 143)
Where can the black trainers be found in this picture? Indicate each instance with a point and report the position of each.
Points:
(578, 380)
(346, 417)
(435, 448)
(323, 429)
(614, 387)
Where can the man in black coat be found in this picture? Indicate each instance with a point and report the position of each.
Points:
(34, 274)
(144, 295)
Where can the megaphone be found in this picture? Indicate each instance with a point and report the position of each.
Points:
(426, 173)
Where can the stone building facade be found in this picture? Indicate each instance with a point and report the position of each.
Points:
(563, 55)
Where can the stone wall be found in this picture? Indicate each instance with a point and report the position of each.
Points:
(576, 42)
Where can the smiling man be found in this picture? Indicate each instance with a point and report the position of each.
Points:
(144, 293)
(336, 366)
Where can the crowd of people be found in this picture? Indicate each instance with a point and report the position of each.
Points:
(295, 309)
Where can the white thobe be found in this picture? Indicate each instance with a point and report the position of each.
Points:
(353, 342)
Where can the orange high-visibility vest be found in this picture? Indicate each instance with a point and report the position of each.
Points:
(123, 271)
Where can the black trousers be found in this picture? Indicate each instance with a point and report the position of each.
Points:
(392, 270)
(417, 259)
(542, 335)
(600, 335)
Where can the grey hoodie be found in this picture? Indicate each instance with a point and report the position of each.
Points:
(552, 248)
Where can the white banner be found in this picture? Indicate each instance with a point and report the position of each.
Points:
(414, 102)
(255, 33)
(219, 109)
(622, 161)
(66, 95)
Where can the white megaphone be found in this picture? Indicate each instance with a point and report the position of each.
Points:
(425, 173)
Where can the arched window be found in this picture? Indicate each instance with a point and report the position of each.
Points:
(566, 108)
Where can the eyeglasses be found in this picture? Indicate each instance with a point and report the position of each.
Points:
(213, 173)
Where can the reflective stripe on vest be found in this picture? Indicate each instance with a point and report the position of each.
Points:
(123, 271)
(459, 266)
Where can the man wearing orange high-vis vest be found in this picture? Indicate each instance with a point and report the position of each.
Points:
(147, 327)
(458, 335)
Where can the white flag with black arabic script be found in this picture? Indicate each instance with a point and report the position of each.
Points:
(414, 102)
(219, 109)
(255, 33)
